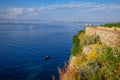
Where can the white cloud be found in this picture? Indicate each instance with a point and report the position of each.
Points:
(41, 8)
(31, 9)
(69, 5)
(10, 13)
(115, 7)
(18, 12)
(97, 8)
(104, 7)
(15, 10)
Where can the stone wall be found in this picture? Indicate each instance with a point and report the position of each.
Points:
(108, 36)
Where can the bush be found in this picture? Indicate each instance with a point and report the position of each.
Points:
(76, 47)
(111, 25)
(75, 40)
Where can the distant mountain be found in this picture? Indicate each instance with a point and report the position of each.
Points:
(17, 21)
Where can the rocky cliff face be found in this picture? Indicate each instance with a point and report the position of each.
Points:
(108, 36)
(98, 58)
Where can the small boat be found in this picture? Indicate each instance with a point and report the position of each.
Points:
(47, 57)
(80, 24)
(32, 27)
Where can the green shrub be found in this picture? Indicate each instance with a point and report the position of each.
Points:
(76, 47)
(75, 39)
(111, 25)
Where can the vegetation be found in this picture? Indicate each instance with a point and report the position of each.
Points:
(68, 73)
(102, 63)
(76, 49)
(112, 24)
(87, 40)
(80, 40)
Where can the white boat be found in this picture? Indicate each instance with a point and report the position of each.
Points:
(32, 27)
(80, 24)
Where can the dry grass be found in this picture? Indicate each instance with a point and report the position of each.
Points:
(68, 73)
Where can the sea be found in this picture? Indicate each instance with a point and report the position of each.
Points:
(23, 48)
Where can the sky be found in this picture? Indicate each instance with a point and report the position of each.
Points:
(61, 10)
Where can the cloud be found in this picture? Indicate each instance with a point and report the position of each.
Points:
(69, 5)
(114, 7)
(41, 8)
(107, 7)
(10, 13)
(22, 12)
(31, 9)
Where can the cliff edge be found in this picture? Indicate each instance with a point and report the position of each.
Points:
(108, 36)
(95, 55)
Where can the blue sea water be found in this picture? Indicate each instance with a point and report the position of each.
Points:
(22, 49)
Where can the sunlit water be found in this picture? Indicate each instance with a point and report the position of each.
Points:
(22, 50)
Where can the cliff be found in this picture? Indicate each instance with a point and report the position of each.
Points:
(108, 36)
(95, 55)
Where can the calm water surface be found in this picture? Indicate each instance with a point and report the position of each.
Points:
(22, 50)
